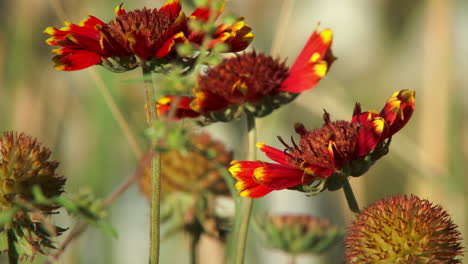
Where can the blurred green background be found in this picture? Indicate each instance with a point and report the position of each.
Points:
(382, 46)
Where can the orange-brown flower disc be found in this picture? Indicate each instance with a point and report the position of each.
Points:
(148, 26)
(314, 146)
(402, 229)
(191, 171)
(244, 78)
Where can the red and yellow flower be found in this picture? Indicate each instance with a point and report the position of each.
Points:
(325, 151)
(145, 34)
(253, 82)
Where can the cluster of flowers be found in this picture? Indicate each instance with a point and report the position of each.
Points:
(254, 84)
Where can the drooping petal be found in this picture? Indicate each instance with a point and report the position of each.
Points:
(398, 110)
(74, 59)
(80, 43)
(246, 184)
(370, 134)
(277, 176)
(164, 104)
(272, 153)
(312, 63)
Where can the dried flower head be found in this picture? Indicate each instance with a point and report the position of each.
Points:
(146, 34)
(328, 154)
(297, 234)
(193, 171)
(401, 229)
(24, 163)
(254, 83)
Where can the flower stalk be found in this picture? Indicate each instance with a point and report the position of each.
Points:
(350, 198)
(248, 202)
(155, 169)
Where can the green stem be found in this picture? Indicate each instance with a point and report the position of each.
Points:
(155, 168)
(248, 202)
(350, 198)
(193, 248)
(12, 252)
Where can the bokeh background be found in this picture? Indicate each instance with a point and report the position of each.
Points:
(382, 46)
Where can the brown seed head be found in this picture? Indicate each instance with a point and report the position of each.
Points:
(24, 162)
(402, 229)
(192, 171)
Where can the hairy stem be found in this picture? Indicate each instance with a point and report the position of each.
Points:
(155, 168)
(248, 202)
(350, 198)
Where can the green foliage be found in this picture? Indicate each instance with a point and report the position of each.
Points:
(83, 205)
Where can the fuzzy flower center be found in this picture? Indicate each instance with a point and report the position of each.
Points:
(245, 78)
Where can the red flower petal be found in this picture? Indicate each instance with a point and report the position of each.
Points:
(81, 44)
(315, 171)
(398, 110)
(247, 186)
(204, 13)
(163, 106)
(278, 177)
(169, 44)
(207, 102)
(274, 154)
(237, 36)
(312, 63)
(72, 60)
(370, 134)
(256, 191)
(172, 7)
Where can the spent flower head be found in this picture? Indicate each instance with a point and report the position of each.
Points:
(25, 164)
(253, 83)
(195, 170)
(402, 229)
(297, 234)
(142, 35)
(328, 154)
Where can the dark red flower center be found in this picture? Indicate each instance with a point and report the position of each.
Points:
(313, 148)
(141, 31)
(245, 78)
